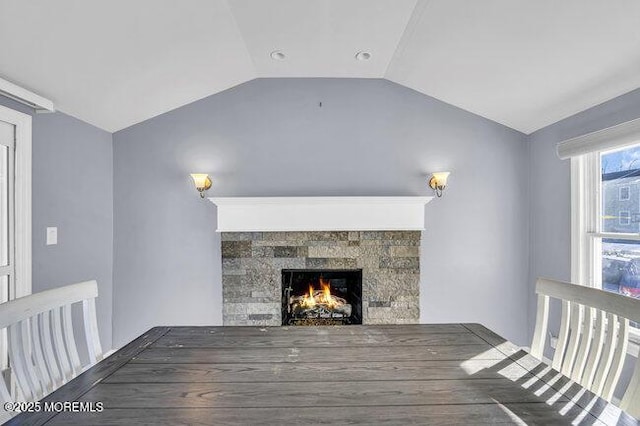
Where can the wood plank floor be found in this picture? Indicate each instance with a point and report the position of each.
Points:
(409, 374)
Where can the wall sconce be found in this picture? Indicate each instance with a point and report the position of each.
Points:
(202, 182)
(438, 182)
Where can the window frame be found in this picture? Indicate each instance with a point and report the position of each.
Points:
(22, 199)
(586, 224)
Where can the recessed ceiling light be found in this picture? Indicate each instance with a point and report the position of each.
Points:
(363, 56)
(277, 55)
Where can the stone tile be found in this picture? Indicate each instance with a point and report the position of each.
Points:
(374, 321)
(328, 236)
(231, 249)
(259, 251)
(389, 243)
(333, 263)
(240, 236)
(278, 243)
(370, 264)
(406, 302)
(379, 313)
(260, 317)
(287, 263)
(326, 243)
(379, 303)
(354, 236)
(404, 251)
(400, 262)
(371, 251)
(253, 300)
(334, 251)
(390, 286)
(275, 321)
(286, 236)
(232, 266)
(391, 235)
(413, 312)
(354, 243)
(255, 294)
(232, 281)
(251, 308)
(285, 251)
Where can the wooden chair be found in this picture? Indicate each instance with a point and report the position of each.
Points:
(41, 342)
(593, 338)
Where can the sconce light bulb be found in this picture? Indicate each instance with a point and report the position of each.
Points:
(438, 182)
(202, 181)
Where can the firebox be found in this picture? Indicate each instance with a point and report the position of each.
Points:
(321, 296)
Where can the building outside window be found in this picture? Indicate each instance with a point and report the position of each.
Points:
(624, 193)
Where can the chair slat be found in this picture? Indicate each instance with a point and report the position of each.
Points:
(18, 361)
(27, 352)
(91, 330)
(607, 354)
(70, 340)
(49, 357)
(38, 356)
(620, 352)
(575, 328)
(586, 334)
(540, 332)
(60, 350)
(595, 353)
(631, 399)
(563, 336)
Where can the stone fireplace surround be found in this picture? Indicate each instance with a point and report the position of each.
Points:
(261, 236)
(252, 279)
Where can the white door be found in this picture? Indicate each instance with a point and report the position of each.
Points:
(15, 211)
(7, 223)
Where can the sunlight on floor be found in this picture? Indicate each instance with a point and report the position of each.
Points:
(547, 390)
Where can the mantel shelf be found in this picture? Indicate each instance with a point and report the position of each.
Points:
(266, 214)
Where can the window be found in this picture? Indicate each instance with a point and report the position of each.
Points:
(605, 227)
(624, 218)
(606, 230)
(624, 193)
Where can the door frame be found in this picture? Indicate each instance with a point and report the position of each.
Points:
(22, 199)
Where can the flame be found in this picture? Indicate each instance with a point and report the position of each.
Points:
(319, 297)
(309, 301)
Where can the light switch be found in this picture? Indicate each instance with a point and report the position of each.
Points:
(52, 235)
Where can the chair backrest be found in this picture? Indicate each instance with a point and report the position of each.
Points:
(41, 342)
(593, 337)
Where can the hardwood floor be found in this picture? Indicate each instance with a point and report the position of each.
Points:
(410, 374)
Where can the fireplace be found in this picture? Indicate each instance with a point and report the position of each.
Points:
(321, 296)
(387, 264)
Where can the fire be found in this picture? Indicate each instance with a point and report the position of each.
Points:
(321, 297)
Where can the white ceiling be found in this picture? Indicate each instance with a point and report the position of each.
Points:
(522, 63)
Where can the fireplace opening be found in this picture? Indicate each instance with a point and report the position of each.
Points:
(321, 296)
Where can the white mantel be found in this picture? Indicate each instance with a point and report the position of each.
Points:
(264, 214)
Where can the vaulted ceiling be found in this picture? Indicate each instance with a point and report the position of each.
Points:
(525, 64)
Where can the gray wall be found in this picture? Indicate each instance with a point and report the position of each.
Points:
(73, 190)
(270, 137)
(550, 188)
